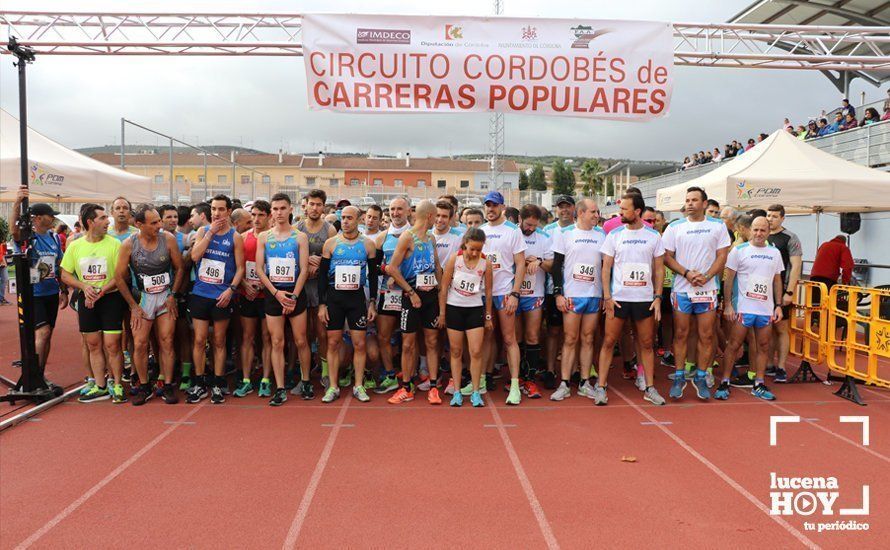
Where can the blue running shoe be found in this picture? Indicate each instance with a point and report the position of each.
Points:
(781, 376)
(700, 381)
(760, 391)
(678, 386)
(457, 399)
(722, 392)
(476, 399)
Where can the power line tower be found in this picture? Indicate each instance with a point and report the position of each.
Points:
(496, 133)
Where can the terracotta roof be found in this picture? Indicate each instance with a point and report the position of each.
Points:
(192, 159)
(417, 164)
(334, 162)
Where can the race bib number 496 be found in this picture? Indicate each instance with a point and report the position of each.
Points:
(212, 272)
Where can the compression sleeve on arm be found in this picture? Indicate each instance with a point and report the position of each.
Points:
(556, 273)
(373, 271)
(322, 279)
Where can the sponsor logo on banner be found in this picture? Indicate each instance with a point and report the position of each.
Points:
(746, 192)
(382, 36)
(40, 176)
(454, 32)
(584, 34)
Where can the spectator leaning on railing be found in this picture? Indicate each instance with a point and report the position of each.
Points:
(847, 109)
(871, 116)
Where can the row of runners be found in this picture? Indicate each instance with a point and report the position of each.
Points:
(343, 295)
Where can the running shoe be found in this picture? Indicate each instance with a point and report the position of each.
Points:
(128, 359)
(265, 389)
(126, 376)
(401, 396)
(651, 395)
(530, 389)
(325, 381)
(159, 387)
(771, 370)
(117, 395)
(370, 383)
(760, 391)
(424, 383)
(449, 389)
(345, 378)
(781, 376)
(515, 396)
(722, 392)
(143, 395)
(587, 390)
(331, 395)
(169, 395)
(468, 389)
(433, 396)
(476, 399)
(562, 392)
(244, 389)
(388, 384)
(668, 359)
(678, 386)
(359, 393)
(95, 394)
(216, 395)
(701, 386)
(744, 380)
(599, 396)
(640, 382)
(91, 383)
(457, 399)
(297, 389)
(307, 391)
(134, 386)
(498, 371)
(196, 393)
(185, 382)
(279, 398)
(630, 371)
(290, 379)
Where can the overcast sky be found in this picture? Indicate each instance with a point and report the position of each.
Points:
(261, 102)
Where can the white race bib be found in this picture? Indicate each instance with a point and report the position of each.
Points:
(392, 300)
(93, 270)
(251, 274)
(494, 260)
(49, 260)
(702, 296)
(35, 275)
(282, 270)
(584, 273)
(155, 284)
(212, 272)
(757, 289)
(426, 281)
(527, 287)
(347, 277)
(466, 284)
(635, 274)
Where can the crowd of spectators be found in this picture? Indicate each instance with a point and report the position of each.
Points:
(844, 119)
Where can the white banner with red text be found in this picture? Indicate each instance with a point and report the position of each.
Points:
(619, 70)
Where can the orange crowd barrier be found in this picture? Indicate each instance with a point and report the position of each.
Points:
(807, 328)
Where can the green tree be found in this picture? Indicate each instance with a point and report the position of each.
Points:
(593, 184)
(536, 179)
(523, 181)
(4, 230)
(563, 179)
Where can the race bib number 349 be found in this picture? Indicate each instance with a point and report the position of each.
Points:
(584, 273)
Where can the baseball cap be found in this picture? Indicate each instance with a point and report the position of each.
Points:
(565, 198)
(343, 203)
(42, 209)
(493, 196)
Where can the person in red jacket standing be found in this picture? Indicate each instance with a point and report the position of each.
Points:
(833, 259)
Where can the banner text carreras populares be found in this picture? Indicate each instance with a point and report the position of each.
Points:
(587, 68)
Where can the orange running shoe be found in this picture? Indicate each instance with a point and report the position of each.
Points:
(531, 390)
(433, 396)
(401, 396)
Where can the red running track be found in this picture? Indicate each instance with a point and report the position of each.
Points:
(351, 474)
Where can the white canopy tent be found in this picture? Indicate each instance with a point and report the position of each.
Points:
(58, 174)
(785, 170)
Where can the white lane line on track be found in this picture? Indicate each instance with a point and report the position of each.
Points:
(303, 510)
(721, 474)
(71, 508)
(533, 501)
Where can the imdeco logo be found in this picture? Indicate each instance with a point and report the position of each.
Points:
(382, 36)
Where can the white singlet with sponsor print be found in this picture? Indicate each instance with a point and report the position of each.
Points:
(582, 270)
(467, 285)
(755, 267)
(502, 241)
(447, 244)
(633, 251)
(695, 246)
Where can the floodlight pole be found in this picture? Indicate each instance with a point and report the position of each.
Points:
(31, 385)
